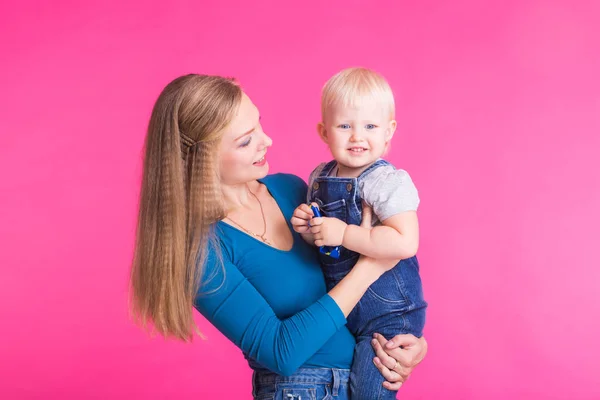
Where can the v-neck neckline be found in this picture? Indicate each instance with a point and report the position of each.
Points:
(288, 224)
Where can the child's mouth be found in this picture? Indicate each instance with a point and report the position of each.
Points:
(357, 150)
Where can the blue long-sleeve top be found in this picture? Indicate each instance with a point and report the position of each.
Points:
(271, 303)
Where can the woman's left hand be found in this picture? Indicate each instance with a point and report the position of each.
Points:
(396, 359)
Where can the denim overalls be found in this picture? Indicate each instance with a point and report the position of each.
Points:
(392, 305)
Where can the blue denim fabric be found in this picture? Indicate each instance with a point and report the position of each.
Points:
(305, 384)
(394, 304)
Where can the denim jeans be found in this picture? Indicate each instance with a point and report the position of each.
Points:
(305, 384)
(394, 304)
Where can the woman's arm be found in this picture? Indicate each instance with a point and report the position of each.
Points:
(354, 285)
(234, 306)
(239, 311)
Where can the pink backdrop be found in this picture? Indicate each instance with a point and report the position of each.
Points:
(498, 109)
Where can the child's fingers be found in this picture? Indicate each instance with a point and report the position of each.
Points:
(316, 221)
(296, 221)
(306, 208)
(301, 214)
(319, 242)
(301, 229)
(314, 229)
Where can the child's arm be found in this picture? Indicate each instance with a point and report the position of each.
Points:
(398, 237)
(300, 222)
(395, 200)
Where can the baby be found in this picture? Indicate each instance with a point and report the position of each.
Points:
(357, 108)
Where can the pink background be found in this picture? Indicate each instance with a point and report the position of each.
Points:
(499, 125)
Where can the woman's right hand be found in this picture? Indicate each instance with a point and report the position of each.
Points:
(395, 359)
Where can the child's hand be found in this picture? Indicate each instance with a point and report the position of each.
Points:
(301, 218)
(328, 231)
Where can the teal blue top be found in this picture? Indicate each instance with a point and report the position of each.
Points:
(272, 303)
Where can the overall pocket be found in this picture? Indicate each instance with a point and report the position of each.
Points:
(336, 209)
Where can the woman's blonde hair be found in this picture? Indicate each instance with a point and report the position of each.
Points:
(180, 200)
(352, 87)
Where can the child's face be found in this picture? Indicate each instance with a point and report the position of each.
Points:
(357, 137)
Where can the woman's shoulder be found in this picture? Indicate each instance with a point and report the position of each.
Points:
(286, 186)
(287, 182)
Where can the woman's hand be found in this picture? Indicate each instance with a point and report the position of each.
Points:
(397, 358)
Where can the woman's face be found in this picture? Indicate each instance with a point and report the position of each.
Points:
(243, 147)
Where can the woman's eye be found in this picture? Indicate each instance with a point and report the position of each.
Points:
(246, 142)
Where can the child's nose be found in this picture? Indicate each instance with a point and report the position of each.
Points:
(355, 137)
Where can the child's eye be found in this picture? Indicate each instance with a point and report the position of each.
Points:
(246, 142)
(371, 126)
(344, 126)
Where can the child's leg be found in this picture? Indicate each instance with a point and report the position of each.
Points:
(366, 382)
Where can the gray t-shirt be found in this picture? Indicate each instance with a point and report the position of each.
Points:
(389, 191)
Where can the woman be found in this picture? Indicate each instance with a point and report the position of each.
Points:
(213, 233)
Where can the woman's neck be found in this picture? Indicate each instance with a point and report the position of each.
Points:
(238, 196)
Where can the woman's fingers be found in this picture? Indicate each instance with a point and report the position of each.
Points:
(392, 359)
(392, 386)
(413, 349)
(393, 379)
(384, 357)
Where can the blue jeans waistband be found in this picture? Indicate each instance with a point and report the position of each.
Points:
(323, 376)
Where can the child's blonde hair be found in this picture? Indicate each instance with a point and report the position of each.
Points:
(352, 87)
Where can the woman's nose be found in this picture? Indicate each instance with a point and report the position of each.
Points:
(267, 141)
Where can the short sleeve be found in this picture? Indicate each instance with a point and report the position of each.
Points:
(389, 191)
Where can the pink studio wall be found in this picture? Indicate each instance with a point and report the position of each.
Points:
(498, 111)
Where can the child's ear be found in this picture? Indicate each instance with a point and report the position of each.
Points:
(391, 130)
(322, 132)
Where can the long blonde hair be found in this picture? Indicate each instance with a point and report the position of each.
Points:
(180, 200)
